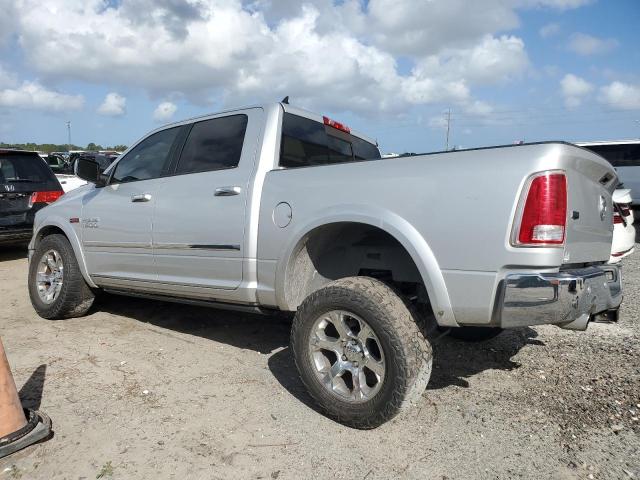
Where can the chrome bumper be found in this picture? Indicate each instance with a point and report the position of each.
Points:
(568, 298)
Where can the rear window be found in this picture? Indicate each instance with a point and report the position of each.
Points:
(21, 169)
(619, 155)
(307, 143)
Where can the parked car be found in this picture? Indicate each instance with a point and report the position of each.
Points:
(58, 164)
(624, 233)
(70, 182)
(624, 155)
(63, 171)
(26, 186)
(274, 208)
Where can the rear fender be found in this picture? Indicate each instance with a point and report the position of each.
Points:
(396, 226)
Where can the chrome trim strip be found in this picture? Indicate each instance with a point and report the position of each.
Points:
(160, 246)
(189, 246)
(95, 243)
(130, 282)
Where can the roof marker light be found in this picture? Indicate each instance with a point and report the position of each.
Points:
(337, 125)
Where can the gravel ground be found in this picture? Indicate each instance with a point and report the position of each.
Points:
(143, 389)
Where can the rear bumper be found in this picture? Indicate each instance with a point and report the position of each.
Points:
(569, 298)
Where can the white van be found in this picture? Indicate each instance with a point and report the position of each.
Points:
(624, 155)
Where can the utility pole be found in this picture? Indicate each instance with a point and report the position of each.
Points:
(448, 128)
(69, 135)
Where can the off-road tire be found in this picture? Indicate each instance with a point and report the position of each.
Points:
(408, 355)
(475, 334)
(75, 297)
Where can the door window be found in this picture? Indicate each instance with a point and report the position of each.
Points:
(214, 144)
(148, 159)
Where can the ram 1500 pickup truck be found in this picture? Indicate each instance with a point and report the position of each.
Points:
(273, 208)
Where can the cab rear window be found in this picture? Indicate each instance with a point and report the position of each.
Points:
(306, 142)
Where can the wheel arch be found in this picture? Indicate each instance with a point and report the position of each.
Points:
(293, 275)
(55, 226)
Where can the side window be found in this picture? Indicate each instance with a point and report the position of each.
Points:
(7, 170)
(214, 144)
(148, 159)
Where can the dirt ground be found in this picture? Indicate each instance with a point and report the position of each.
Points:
(142, 389)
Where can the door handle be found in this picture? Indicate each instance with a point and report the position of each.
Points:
(143, 197)
(227, 191)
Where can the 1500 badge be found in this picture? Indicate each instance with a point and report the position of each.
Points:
(91, 222)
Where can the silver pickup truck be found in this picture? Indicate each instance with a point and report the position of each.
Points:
(273, 208)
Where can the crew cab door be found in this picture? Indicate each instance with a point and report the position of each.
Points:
(199, 220)
(116, 218)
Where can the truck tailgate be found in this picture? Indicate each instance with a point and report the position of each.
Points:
(591, 181)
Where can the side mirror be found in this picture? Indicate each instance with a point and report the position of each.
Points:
(90, 171)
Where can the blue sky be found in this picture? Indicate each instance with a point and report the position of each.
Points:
(522, 70)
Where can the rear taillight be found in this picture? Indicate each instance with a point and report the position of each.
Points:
(621, 210)
(45, 197)
(544, 216)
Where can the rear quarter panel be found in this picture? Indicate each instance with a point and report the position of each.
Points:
(461, 204)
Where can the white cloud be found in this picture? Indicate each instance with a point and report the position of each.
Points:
(426, 27)
(621, 95)
(7, 78)
(7, 20)
(114, 105)
(549, 30)
(574, 89)
(324, 55)
(585, 45)
(164, 111)
(32, 95)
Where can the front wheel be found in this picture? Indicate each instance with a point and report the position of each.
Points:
(56, 286)
(360, 352)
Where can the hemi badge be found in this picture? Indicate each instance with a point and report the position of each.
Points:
(74, 220)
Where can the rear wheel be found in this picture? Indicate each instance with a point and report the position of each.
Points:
(359, 352)
(56, 286)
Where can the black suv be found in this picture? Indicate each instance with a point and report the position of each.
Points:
(27, 184)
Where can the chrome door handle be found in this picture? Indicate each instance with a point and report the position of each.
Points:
(227, 191)
(143, 197)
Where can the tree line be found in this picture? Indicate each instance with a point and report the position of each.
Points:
(51, 147)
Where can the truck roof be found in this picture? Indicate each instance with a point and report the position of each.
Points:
(286, 107)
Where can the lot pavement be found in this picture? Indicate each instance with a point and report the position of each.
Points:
(142, 389)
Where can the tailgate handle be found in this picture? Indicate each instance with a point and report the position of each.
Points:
(143, 197)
